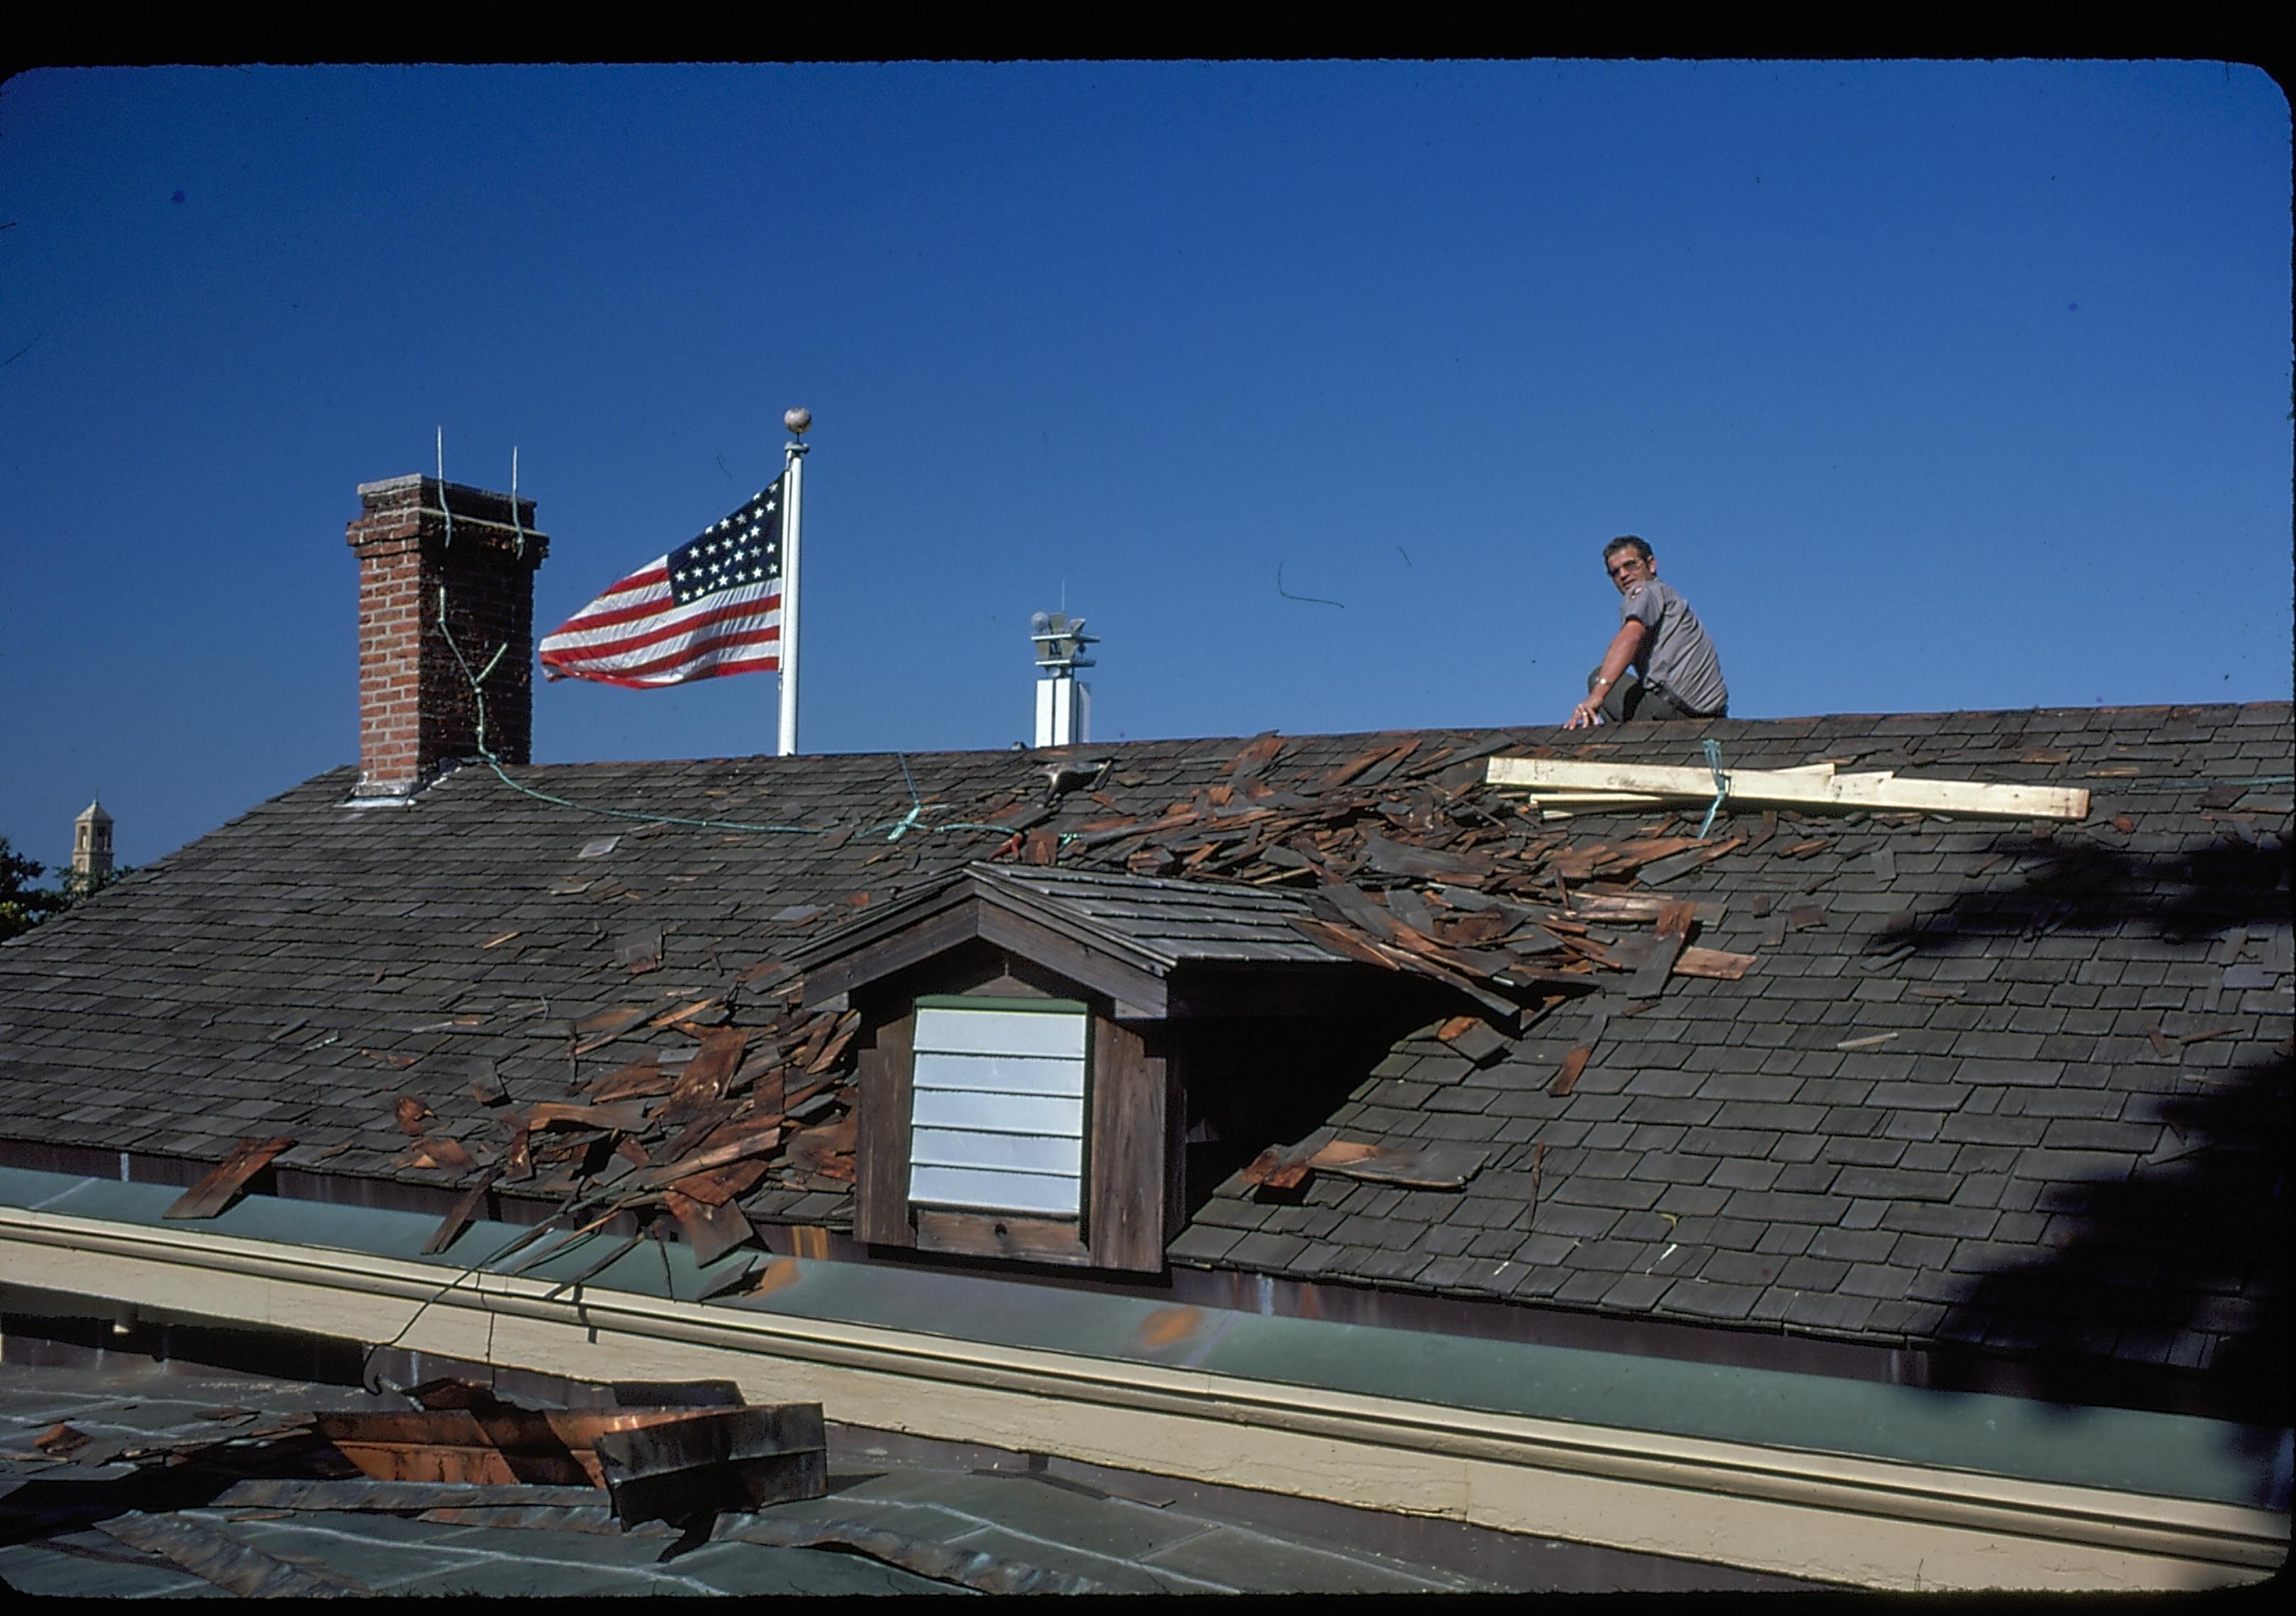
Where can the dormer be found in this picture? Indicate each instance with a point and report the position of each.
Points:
(1058, 1066)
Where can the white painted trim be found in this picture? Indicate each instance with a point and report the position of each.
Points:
(1868, 1522)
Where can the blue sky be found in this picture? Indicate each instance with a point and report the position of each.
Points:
(1933, 386)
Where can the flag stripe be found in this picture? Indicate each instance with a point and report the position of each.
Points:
(658, 648)
(710, 607)
(631, 598)
(653, 629)
(659, 681)
(684, 654)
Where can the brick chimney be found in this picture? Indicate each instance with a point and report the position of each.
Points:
(416, 707)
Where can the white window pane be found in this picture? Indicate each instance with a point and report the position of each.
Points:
(1011, 1074)
(1034, 1193)
(1059, 1032)
(998, 1113)
(1015, 1152)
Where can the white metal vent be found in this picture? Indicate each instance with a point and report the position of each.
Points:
(997, 1122)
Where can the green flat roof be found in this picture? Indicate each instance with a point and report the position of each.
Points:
(2128, 1450)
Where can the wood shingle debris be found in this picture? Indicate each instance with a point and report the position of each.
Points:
(301, 971)
(1405, 860)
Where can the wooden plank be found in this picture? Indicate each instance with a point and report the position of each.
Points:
(1561, 802)
(1124, 1150)
(1883, 790)
(985, 1235)
(881, 1190)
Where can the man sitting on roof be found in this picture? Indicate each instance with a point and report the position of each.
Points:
(1660, 636)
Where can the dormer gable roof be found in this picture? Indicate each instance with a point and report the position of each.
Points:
(1126, 936)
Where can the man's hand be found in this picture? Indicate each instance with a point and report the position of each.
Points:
(1624, 646)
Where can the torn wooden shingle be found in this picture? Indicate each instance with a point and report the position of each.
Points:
(711, 1229)
(1566, 1077)
(459, 1216)
(1431, 1167)
(1473, 1037)
(1719, 964)
(436, 1151)
(626, 1114)
(1670, 936)
(223, 1186)
(640, 952)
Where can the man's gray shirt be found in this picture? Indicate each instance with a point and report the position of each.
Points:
(1678, 660)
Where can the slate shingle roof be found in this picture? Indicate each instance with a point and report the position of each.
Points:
(1984, 1084)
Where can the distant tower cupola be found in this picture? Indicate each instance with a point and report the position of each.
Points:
(91, 845)
(1063, 701)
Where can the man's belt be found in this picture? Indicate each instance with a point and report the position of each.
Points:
(1677, 704)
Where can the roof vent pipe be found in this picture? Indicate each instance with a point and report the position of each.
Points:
(1063, 701)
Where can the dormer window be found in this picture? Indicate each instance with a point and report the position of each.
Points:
(1056, 1066)
(997, 1105)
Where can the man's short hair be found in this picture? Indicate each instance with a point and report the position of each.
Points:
(1625, 541)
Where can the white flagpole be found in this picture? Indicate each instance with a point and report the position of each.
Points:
(792, 506)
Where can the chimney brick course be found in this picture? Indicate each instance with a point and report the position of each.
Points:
(417, 710)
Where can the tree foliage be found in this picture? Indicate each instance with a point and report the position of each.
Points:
(23, 905)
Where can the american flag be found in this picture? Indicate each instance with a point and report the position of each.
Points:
(709, 607)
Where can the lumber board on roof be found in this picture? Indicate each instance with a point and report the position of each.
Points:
(1561, 802)
(1885, 790)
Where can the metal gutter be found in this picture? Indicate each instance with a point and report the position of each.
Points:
(1771, 1506)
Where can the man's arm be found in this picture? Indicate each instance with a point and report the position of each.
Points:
(1624, 646)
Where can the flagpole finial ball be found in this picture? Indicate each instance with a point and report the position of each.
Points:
(798, 420)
